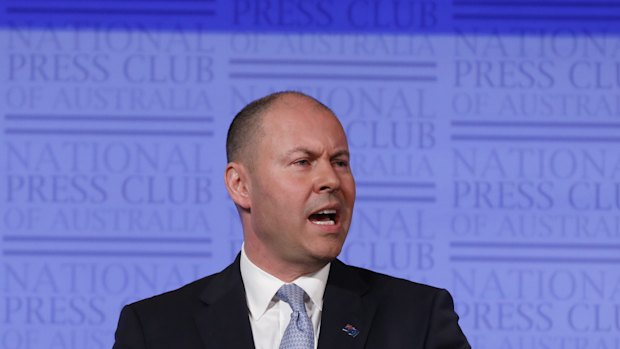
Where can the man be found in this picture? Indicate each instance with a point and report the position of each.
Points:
(289, 176)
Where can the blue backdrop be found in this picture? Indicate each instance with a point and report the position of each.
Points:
(485, 140)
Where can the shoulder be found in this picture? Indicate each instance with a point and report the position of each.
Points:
(392, 293)
(383, 283)
(150, 320)
(185, 294)
(190, 295)
(172, 315)
(404, 311)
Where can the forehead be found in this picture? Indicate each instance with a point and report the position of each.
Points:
(295, 121)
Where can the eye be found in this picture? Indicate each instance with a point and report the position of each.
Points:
(301, 162)
(341, 163)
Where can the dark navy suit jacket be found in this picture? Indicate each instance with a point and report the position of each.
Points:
(388, 313)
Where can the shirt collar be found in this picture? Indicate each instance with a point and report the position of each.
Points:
(261, 287)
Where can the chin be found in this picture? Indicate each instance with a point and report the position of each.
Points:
(329, 255)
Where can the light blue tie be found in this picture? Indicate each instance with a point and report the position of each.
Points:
(299, 333)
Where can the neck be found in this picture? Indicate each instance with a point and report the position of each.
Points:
(283, 270)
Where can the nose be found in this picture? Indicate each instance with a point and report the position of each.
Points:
(326, 180)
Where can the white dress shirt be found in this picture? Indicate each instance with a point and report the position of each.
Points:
(269, 316)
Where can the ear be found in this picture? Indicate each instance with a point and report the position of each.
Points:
(236, 180)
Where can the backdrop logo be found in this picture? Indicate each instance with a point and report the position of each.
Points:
(483, 139)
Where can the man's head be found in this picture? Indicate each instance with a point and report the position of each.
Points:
(289, 175)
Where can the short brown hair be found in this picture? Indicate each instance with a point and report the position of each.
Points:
(246, 125)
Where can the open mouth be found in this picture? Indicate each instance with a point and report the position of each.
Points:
(324, 217)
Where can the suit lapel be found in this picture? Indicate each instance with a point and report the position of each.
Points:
(344, 304)
(223, 322)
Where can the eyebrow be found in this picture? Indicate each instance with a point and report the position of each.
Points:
(309, 152)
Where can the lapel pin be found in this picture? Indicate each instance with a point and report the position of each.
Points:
(350, 330)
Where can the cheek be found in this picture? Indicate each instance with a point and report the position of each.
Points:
(348, 187)
(279, 206)
(284, 196)
(264, 206)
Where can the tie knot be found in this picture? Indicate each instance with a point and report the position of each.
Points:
(293, 295)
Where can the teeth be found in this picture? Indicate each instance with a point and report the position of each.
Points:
(324, 222)
(324, 217)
